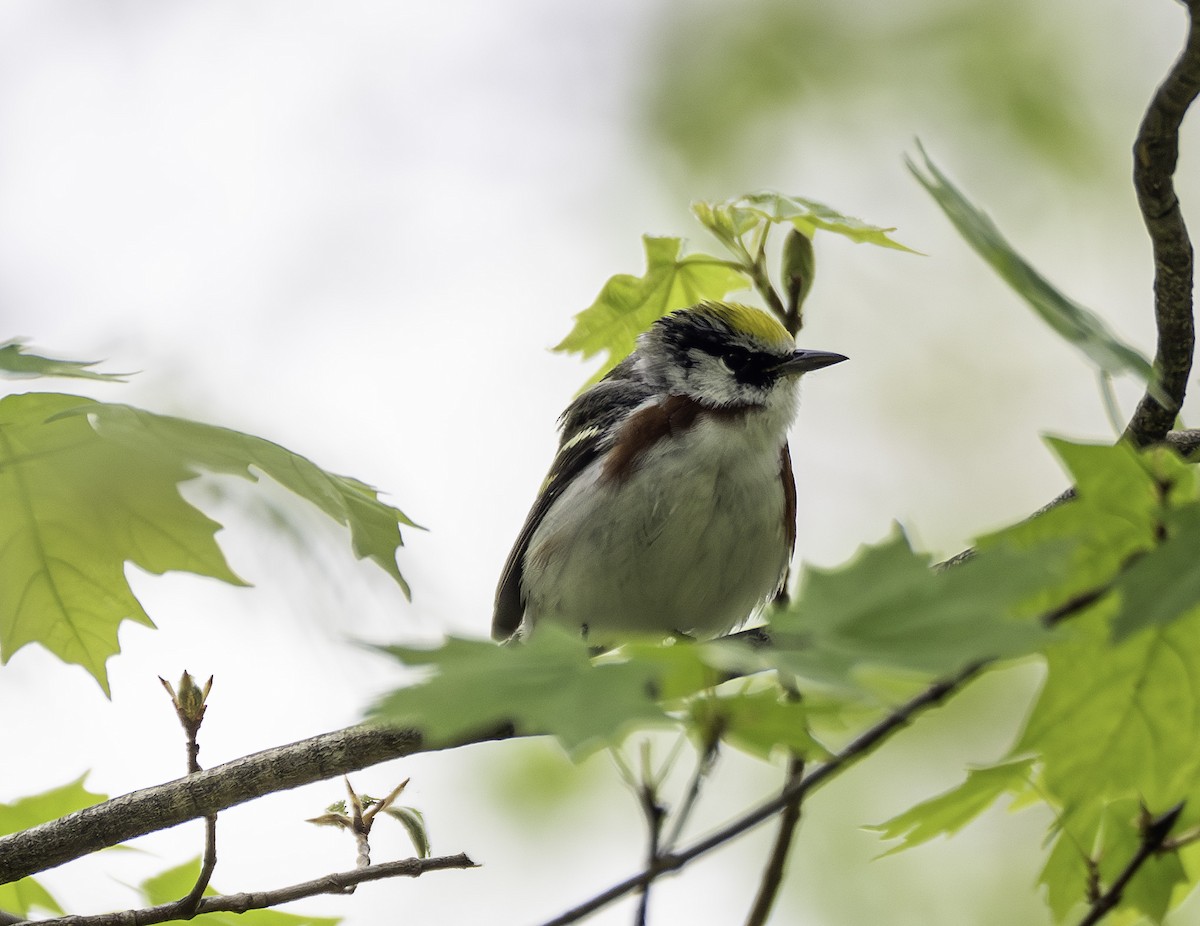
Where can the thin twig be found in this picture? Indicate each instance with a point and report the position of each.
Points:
(772, 879)
(653, 813)
(1155, 156)
(797, 792)
(704, 764)
(1154, 835)
(338, 883)
(190, 703)
(855, 751)
(162, 806)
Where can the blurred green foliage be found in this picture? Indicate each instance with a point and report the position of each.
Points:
(26, 895)
(723, 78)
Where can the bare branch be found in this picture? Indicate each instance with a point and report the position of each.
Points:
(654, 814)
(704, 765)
(772, 879)
(339, 883)
(1155, 156)
(858, 749)
(163, 806)
(1185, 443)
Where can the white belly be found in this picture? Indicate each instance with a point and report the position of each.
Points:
(693, 540)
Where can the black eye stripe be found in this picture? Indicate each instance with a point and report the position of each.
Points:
(749, 367)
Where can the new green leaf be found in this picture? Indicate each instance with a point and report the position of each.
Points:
(887, 609)
(1120, 720)
(547, 685)
(1120, 494)
(951, 811)
(1162, 585)
(17, 362)
(759, 722)
(628, 305)
(23, 896)
(732, 219)
(413, 822)
(1074, 322)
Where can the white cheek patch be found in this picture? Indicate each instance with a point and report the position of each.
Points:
(710, 377)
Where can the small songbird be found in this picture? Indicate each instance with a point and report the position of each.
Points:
(670, 507)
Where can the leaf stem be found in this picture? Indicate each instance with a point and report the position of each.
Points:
(704, 765)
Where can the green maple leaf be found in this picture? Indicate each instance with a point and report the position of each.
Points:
(26, 895)
(1107, 834)
(1114, 725)
(759, 722)
(48, 805)
(373, 524)
(547, 685)
(1119, 503)
(17, 362)
(79, 508)
(1163, 585)
(88, 487)
(952, 810)
(1119, 720)
(628, 305)
(887, 609)
(732, 219)
(22, 896)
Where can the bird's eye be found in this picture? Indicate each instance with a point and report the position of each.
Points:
(735, 358)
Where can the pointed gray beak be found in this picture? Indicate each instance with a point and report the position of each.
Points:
(805, 361)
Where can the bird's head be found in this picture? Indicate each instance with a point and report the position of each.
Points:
(722, 353)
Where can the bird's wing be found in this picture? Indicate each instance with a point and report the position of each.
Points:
(789, 521)
(588, 425)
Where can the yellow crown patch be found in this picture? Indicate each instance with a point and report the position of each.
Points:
(753, 322)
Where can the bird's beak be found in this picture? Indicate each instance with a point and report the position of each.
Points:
(805, 361)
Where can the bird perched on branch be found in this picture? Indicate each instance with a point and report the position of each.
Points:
(670, 507)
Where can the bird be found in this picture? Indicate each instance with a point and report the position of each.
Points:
(670, 507)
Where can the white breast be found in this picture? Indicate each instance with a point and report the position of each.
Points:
(692, 540)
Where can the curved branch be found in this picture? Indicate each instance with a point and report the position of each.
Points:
(339, 883)
(204, 793)
(1155, 155)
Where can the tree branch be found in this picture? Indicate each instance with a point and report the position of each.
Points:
(339, 883)
(654, 815)
(798, 791)
(772, 879)
(1154, 834)
(1155, 156)
(204, 793)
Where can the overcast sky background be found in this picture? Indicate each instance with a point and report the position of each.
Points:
(356, 228)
